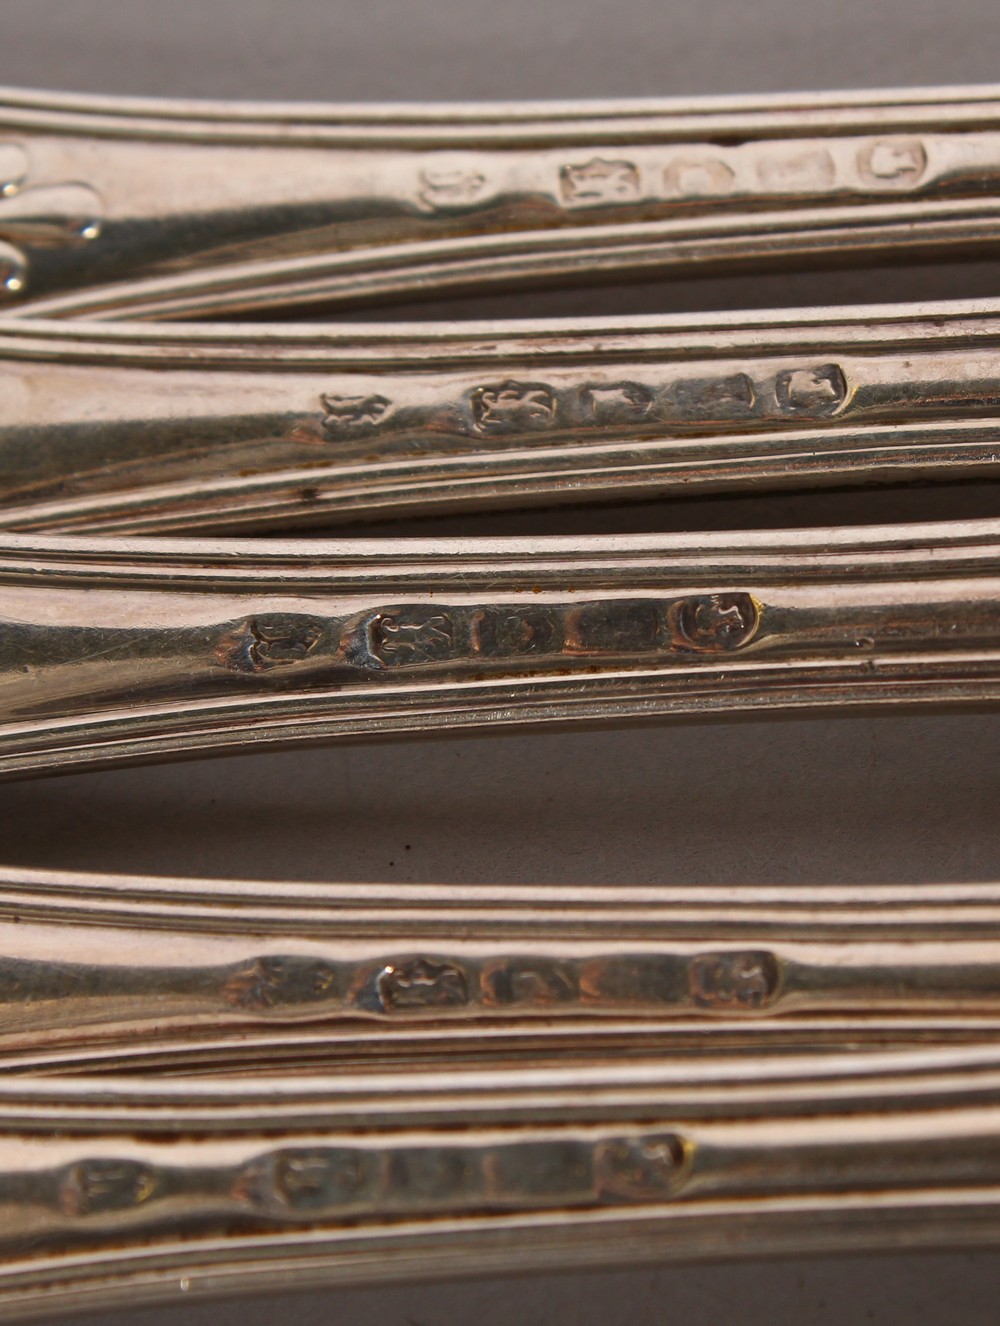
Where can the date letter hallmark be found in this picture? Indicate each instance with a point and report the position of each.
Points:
(105, 1186)
(274, 982)
(346, 415)
(514, 407)
(715, 399)
(409, 638)
(734, 982)
(698, 177)
(819, 392)
(419, 985)
(530, 983)
(451, 186)
(714, 623)
(617, 403)
(811, 171)
(895, 162)
(599, 181)
(515, 632)
(46, 215)
(325, 1179)
(641, 1169)
(272, 641)
(308, 1181)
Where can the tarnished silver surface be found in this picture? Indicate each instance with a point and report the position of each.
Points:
(524, 1077)
(120, 651)
(88, 960)
(296, 205)
(109, 428)
(133, 1190)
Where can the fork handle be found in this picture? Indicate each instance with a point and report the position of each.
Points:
(294, 205)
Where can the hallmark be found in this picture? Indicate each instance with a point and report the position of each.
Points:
(411, 636)
(716, 398)
(529, 982)
(93, 1187)
(714, 623)
(600, 181)
(733, 982)
(816, 391)
(698, 177)
(897, 161)
(314, 1179)
(811, 171)
(268, 982)
(640, 1168)
(617, 403)
(506, 632)
(271, 641)
(437, 1174)
(419, 984)
(513, 407)
(349, 414)
(451, 186)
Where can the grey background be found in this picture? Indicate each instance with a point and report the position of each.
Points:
(818, 801)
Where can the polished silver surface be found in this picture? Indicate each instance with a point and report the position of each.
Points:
(911, 797)
(132, 1190)
(125, 651)
(108, 428)
(142, 968)
(201, 209)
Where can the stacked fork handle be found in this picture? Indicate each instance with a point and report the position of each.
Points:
(115, 208)
(114, 651)
(127, 1190)
(151, 967)
(138, 430)
(216, 1086)
(118, 1189)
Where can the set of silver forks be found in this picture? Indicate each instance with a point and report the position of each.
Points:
(212, 1087)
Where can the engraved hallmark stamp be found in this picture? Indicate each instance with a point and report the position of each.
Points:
(410, 637)
(515, 632)
(273, 981)
(716, 398)
(698, 177)
(94, 1187)
(810, 171)
(433, 1175)
(599, 181)
(714, 623)
(811, 391)
(315, 1179)
(352, 414)
(893, 161)
(421, 984)
(616, 403)
(529, 982)
(451, 186)
(733, 982)
(641, 1168)
(513, 407)
(271, 640)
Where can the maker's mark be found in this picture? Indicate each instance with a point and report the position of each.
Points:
(271, 640)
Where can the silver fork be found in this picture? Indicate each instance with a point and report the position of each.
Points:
(138, 429)
(114, 651)
(130, 208)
